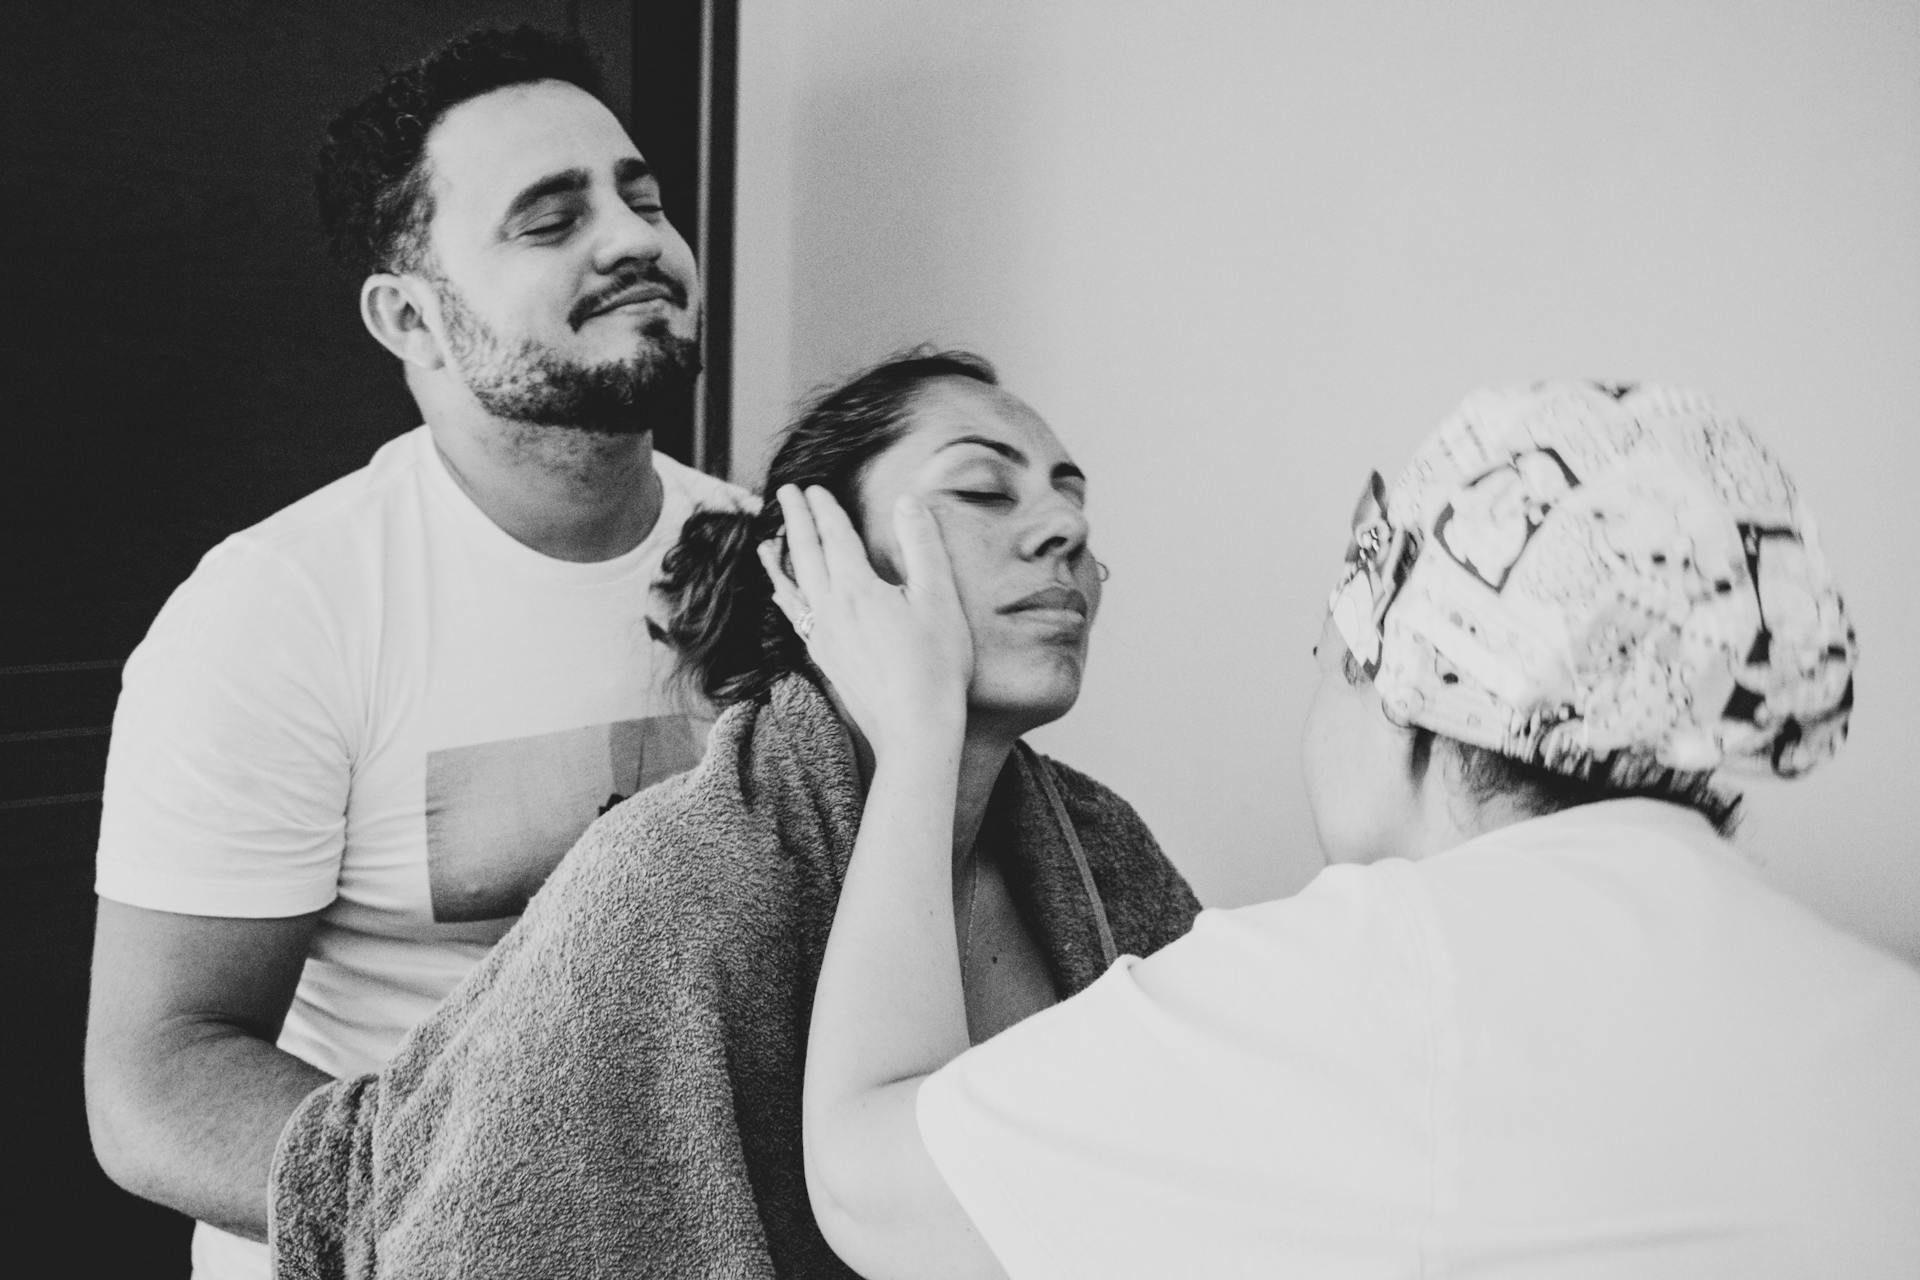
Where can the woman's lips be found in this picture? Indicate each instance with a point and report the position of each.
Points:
(1060, 605)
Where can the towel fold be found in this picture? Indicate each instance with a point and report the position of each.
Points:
(615, 1090)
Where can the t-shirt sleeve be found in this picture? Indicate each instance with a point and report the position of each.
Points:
(227, 771)
(1267, 1078)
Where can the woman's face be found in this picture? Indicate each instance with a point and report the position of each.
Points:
(1011, 506)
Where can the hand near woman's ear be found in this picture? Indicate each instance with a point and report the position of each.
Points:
(900, 657)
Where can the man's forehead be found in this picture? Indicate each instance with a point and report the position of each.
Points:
(487, 149)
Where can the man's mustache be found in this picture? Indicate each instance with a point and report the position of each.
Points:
(624, 282)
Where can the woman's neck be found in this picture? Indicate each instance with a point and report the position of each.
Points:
(982, 756)
(981, 761)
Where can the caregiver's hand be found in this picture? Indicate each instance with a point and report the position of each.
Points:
(900, 657)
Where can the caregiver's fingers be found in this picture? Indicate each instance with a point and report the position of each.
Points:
(810, 572)
(846, 554)
(785, 593)
(923, 552)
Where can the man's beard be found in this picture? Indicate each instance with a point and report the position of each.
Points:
(526, 382)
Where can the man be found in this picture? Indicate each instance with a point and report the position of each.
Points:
(358, 738)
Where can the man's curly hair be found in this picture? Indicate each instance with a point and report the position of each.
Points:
(375, 204)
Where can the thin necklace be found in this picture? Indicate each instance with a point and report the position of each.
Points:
(973, 892)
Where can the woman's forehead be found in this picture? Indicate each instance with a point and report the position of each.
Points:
(950, 413)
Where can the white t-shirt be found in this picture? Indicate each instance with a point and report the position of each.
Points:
(378, 703)
(1588, 1045)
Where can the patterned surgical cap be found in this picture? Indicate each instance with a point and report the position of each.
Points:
(1613, 582)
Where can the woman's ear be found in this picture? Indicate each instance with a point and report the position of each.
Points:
(402, 314)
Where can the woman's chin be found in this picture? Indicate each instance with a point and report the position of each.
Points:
(1021, 706)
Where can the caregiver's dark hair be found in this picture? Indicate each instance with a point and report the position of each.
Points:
(734, 642)
(1486, 776)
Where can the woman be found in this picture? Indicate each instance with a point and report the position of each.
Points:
(616, 1090)
(1549, 1023)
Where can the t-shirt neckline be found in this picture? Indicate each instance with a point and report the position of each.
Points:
(511, 553)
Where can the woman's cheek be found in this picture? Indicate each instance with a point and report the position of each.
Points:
(970, 553)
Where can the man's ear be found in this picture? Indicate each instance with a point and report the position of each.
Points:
(402, 314)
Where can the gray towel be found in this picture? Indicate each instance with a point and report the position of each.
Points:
(615, 1090)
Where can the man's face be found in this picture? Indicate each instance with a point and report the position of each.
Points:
(567, 298)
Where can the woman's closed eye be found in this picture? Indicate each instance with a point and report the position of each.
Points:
(983, 497)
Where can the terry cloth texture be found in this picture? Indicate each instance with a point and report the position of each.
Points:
(615, 1091)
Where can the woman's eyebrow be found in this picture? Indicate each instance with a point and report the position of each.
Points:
(1001, 447)
(1012, 453)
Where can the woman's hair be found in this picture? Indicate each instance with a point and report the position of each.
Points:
(733, 640)
(1486, 776)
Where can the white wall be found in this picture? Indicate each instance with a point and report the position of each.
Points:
(1239, 252)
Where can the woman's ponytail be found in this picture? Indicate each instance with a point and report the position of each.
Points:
(720, 602)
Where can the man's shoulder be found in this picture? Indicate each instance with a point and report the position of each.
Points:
(304, 557)
(313, 538)
(345, 508)
(700, 491)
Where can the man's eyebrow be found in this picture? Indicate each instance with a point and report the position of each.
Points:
(1061, 471)
(566, 182)
(626, 173)
(631, 170)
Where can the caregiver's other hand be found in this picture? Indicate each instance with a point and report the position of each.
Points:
(900, 657)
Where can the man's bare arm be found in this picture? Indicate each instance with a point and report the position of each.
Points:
(186, 1093)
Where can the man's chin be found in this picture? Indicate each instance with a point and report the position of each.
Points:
(664, 364)
(605, 428)
(625, 397)
(630, 411)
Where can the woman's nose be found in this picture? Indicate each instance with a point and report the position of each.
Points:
(1059, 527)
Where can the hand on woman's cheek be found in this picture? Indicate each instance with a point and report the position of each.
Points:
(899, 655)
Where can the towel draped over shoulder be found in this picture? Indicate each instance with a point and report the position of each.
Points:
(615, 1089)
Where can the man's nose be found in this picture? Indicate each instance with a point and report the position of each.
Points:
(625, 234)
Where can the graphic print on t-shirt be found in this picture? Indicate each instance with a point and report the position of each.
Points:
(500, 815)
